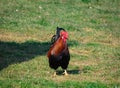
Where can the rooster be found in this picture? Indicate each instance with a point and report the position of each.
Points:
(58, 53)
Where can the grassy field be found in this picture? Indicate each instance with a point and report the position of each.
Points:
(26, 27)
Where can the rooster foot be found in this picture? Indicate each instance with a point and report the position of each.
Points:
(65, 73)
(54, 74)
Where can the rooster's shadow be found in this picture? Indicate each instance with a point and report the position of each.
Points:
(13, 52)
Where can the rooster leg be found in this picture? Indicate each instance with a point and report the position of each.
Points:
(54, 73)
(65, 72)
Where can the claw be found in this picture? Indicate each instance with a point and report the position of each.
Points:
(65, 73)
(54, 74)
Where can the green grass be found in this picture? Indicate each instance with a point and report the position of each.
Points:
(26, 28)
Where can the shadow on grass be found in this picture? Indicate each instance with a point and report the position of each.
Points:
(12, 52)
(76, 71)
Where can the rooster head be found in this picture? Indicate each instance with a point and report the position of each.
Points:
(64, 35)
